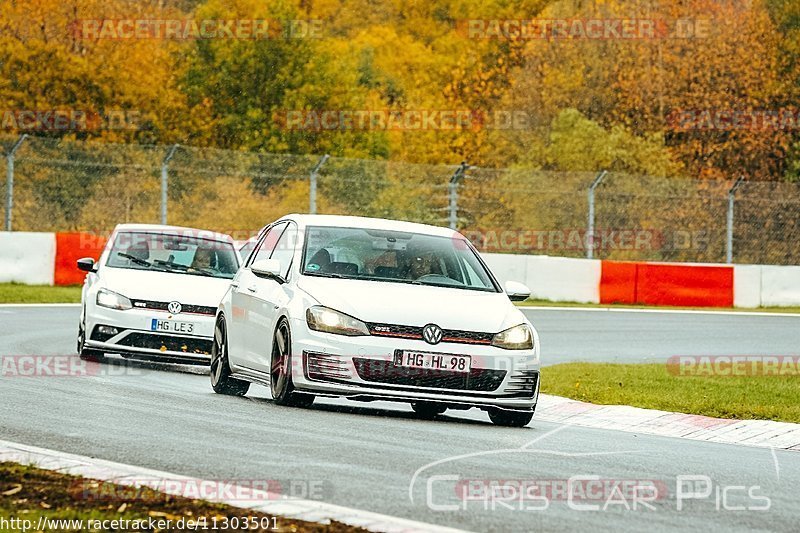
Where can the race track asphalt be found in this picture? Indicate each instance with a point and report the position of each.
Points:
(365, 456)
(636, 336)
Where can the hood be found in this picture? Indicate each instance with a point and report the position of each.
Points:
(164, 286)
(414, 305)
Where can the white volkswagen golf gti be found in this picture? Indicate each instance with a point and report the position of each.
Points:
(154, 292)
(372, 309)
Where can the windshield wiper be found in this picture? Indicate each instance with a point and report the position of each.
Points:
(327, 275)
(192, 271)
(449, 286)
(135, 259)
(170, 264)
(430, 284)
(183, 269)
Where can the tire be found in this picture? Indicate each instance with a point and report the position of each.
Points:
(428, 409)
(221, 380)
(280, 376)
(514, 419)
(85, 353)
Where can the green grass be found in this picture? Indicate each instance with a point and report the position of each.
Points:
(652, 386)
(17, 293)
(29, 493)
(548, 303)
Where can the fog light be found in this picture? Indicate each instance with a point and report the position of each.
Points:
(107, 330)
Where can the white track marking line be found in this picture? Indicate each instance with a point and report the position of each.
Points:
(668, 311)
(261, 501)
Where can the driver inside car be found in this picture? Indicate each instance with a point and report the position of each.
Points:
(203, 258)
(422, 264)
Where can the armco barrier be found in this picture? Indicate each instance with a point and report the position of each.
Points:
(69, 248)
(27, 257)
(618, 282)
(49, 258)
(666, 284)
(558, 279)
(563, 279)
(690, 285)
(747, 286)
(780, 285)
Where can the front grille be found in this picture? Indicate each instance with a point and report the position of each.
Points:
(380, 371)
(167, 342)
(466, 337)
(185, 308)
(415, 332)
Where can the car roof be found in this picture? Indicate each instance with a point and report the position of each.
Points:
(370, 223)
(183, 230)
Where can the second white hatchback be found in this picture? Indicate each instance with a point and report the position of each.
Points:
(154, 293)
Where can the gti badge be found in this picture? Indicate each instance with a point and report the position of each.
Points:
(174, 307)
(432, 334)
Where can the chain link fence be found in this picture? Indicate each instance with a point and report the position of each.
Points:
(61, 185)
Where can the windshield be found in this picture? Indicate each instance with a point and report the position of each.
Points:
(391, 256)
(174, 253)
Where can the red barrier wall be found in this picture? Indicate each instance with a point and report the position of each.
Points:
(69, 248)
(666, 284)
(702, 286)
(618, 282)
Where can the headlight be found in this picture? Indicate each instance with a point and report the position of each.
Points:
(323, 319)
(516, 338)
(113, 300)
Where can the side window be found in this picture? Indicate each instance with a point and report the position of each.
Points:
(284, 251)
(267, 245)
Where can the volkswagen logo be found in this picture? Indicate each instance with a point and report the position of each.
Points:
(174, 307)
(432, 334)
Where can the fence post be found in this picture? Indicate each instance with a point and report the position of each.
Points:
(10, 180)
(729, 228)
(165, 182)
(452, 194)
(312, 185)
(590, 226)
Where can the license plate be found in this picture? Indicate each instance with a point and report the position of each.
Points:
(171, 326)
(433, 361)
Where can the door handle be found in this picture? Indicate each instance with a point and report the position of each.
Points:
(235, 285)
(252, 288)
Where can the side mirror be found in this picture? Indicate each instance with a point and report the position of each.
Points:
(267, 268)
(517, 292)
(87, 264)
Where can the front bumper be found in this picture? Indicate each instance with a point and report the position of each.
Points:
(362, 368)
(136, 335)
